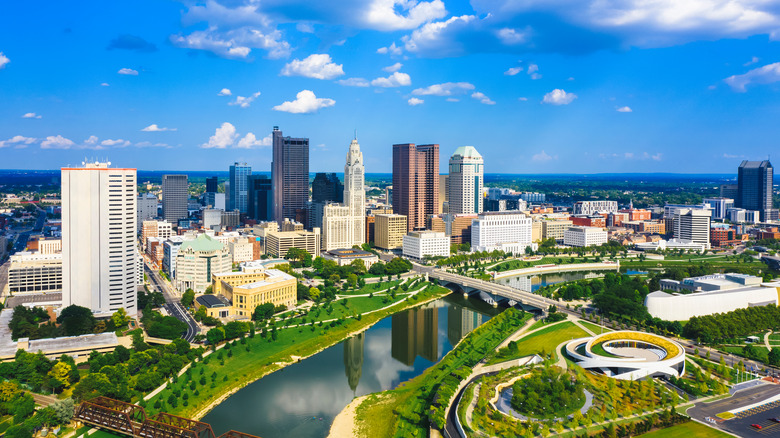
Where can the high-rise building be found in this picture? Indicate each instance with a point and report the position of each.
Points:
(260, 198)
(693, 224)
(595, 207)
(198, 260)
(720, 206)
(98, 238)
(343, 225)
(147, 209)
(754, 186)
(239, 181)
(212, 184)
(175, 193)
(506, 231)
(289, 175)
(415, 182)
(465, 181)
(327, 187)
(389, 230)
(729, 191)
(444, 194)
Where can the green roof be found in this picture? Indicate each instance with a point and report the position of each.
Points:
(203, 242)
(467, 152)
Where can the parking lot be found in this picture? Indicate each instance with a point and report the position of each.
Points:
(741, 424)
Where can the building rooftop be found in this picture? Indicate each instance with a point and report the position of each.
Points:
(349, 252)
(271, 276)
(467, 152)
(203, 242)
(212, 301)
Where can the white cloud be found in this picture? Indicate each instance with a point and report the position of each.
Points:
(396, 79)
(305, 102)
(244, 102)
(482, 98)
(128, 71)
(57, 142)
(383, 14)
(435, 38)
(510, 36)
(223, 137)
(513, 71)
(104, 84)
(18, 140)
(522, 99)
(154, 128)
(559, 97)
(250, 141)
(354, 82)
(415, 101)
(3, 60)
(625, 109)
(31, 116)
(752, 61)
(118, 142)
(234, 43)
(304, 27)
(148, 144)
(445, 89)
(317, 66)
(762, 75)
(543, 157)
(452, 99)
(393, 68)
(225, 92)
(533, 72)
(91, 141)
(392, 49)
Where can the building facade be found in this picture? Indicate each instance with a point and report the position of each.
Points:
(415, 182)
(147, 208)
(555, 229)
(98, 238)
(253, 286)
(465, 181)
(175, 193)
(720, 206)
(260, 201)
(693, 224)
(239, 186)
(584, 236)
(197, 260)
(595, 207)
(754, 186)
(289, 175)
(343, 225)
(508, 232)
(389, 230)
(277, 243)
(419, 244)
(34, 273)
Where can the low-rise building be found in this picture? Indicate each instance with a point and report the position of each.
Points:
(676, 307)
(683, 244)
(346, 256)
(419, 244)
(708, 283)
(49, 246)
(253, 286)
(595, 207)
(35, 273)
(241, 250)
(509, 232)
(589, 221)
(555, 229)
(740, 215)
(656, 227)
(278, 243)
(230, 219)
(584, 236)
(197, 260)
(389, 231)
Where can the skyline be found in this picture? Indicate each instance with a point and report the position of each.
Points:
(652, 89)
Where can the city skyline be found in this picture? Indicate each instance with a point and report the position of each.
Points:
(645, 88)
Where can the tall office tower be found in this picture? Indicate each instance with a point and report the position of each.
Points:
(98, 238)
(327, 187)
(444, 193)
(465, 181)
(693, 224)
(147, 209)
(175, 193)
(343, 225)
(239, 172)
(212, 184)
(754, 186)
(729, 191)
(415, 182)
(259, 198)
(289, 175)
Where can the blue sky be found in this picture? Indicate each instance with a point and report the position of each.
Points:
(537, 86)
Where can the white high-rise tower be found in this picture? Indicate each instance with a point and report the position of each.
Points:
(466, 180)
(343, 225)
(99, 259)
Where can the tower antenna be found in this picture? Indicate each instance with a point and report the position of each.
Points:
(355, 134)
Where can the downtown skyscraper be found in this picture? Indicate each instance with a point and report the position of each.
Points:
(415, 182)
(344, 225)
(465, 181)
(175, 193)
(239, 174)
(289, 175)
(754, 187)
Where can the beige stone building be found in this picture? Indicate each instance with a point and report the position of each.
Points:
(389, 231)
(555, 229)
(198, 260)
(252, 287)
(277, 243)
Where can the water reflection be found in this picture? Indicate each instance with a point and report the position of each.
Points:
(353, 359)
(534, 282)
(415, 334)
(461, 321)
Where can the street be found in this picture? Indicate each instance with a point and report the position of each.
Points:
(172, 303)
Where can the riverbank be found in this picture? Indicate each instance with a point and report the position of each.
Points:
(344, 423)
(243, 365)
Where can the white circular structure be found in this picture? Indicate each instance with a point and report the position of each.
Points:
(629, 355)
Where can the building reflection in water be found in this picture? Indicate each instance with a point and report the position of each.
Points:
(353, 359)
(461, 321)
(415, 333)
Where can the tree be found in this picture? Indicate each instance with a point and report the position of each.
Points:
(59, 376)
(215, 335)
(352, 279)
(166, 327)
(358, 267)
(209, 290)
(63, 410)
(263, 312)
(378, 268)
(188, 298)
(314, 293)
(120, 317)
(76, 320)
(303, 291)
(774, 357)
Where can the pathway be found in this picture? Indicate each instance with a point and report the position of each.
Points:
(766, 340)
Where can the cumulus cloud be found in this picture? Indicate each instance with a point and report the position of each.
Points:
(234, 43)
(533, 72)
(3, 60)
(513, 71)
(131, 42)
(559, 97)
(244, 102)
(392, 49)
(452, 99)
(354, 82)
(148, 144)
(91, 141)
(18, 140)
(223, 137)
(154, 128)
(522, 99)
(250, 141)
(445, 89)
(317, 66)
(415, 101)
(31, 116)
(104, 84)
(543, 157)
(384, 14)
(762, 75)
(305, 102)
(482, 98)
(752, 61)
(118, 142)
(57, 142)
(393, 68)
(224, 92)
(396, 79)
(511, 36)
(128, 71)
(304, 27)
(625, 109)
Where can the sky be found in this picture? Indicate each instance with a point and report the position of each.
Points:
(537, 86)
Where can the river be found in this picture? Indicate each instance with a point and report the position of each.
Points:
(302, 399)
(532, 283)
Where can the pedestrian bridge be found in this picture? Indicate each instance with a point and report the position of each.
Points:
(489, 291)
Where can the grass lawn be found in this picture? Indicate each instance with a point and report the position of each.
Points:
(544, 341)
(774, 337)
(762, 351)
(371, 287)
(690, 429)
(595, 328)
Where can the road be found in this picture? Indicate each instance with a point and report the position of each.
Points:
(172, 304)
(23, 237)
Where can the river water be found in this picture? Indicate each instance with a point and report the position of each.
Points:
(532, 283)
(302, 399)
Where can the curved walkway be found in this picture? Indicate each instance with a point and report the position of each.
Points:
(766, 340)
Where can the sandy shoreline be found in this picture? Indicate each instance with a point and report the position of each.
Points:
(344, 423)
(205, 410)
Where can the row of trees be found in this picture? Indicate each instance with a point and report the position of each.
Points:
(35, 322)
(548, 393)
(733, 325)
(16, 402)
